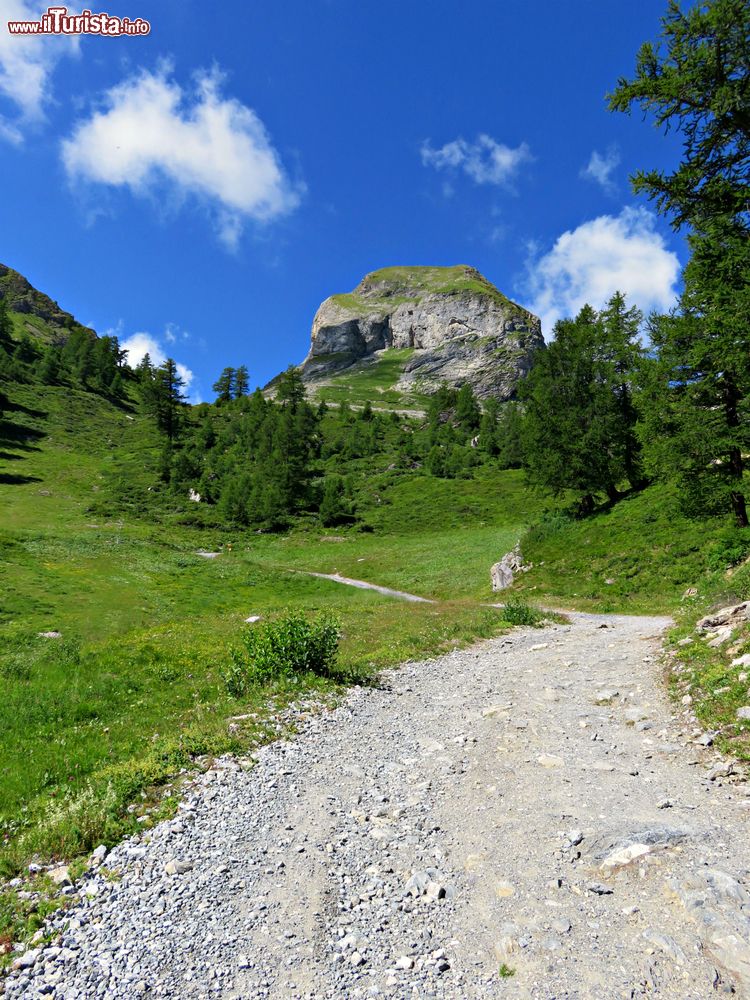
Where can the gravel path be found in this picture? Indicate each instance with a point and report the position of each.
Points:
(348, 581)
(533, 805)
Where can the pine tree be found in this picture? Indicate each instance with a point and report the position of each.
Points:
(116, 387)
(291, 389)
(694, 81)
(25, 350)
(167, 399)
(50, 366)
(224, 385)
(6, 325)
(510, 431)
(144, 369)
(698, 384)
(333, 507)
(619, 362)
(489, 428)
(241, 382)
(235, 502)
(468, 414)
(578, 429)
(696, 425)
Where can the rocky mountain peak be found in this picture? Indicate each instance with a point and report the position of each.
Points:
(452, 324)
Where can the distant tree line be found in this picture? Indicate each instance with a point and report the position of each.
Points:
(612, 403)
(263, 461)
(91, 363)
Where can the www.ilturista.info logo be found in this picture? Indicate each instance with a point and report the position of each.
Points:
(57, 21)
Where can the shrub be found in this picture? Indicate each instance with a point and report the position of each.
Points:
(549, 524)
(286, 647)
(731, 547)
(518, 612)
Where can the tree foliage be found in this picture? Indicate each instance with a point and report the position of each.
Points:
(695, 407)
(696, 80)
(578, 431)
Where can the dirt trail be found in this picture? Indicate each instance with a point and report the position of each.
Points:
(363, 585)
(529, 818)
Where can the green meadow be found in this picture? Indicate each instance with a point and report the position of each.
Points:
(97, 722)
(132, 690)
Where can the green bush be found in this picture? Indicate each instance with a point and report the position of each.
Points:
(518, 612)
(289, 646)
(731, 547)
(549, 524)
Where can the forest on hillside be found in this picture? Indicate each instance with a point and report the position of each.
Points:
(616, 400)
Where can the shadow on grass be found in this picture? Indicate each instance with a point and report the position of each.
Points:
(12, 406)
(11, 479)
(17, 436)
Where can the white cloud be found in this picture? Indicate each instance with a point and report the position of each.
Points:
(601, 166)
(150, 132)
(140, 344)
(484, 161)
(608, 254)
(26, 65)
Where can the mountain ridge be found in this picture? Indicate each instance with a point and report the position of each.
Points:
(26, 301)
(457, 326)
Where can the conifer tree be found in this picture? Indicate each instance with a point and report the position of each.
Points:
(696, 423)
(694, 81)
(144, 369)
(224, 385)
(578, 430)
(468, 414)
(489, 428)
(510, 443)
(50, 366)
(167, 399)
(6, 325)
(291, 390)
(333, 507)
(25, 350)
(241, 382)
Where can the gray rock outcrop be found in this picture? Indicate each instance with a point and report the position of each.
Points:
(452, 324)
(503, 572)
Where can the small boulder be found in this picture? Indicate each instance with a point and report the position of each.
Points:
(502, 572)
(98, 855)
(60, 876)
(177, 867)
(732, 615)
(28, 959)
(626, 856)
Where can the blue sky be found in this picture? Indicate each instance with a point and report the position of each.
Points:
(201, 190)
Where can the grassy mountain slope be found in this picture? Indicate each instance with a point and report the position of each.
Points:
(91, 548)
(372, 379)
(94, 547)
(637, 556)
(34, 313)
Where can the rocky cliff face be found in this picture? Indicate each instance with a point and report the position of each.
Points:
(459, 326)
(21, 297)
